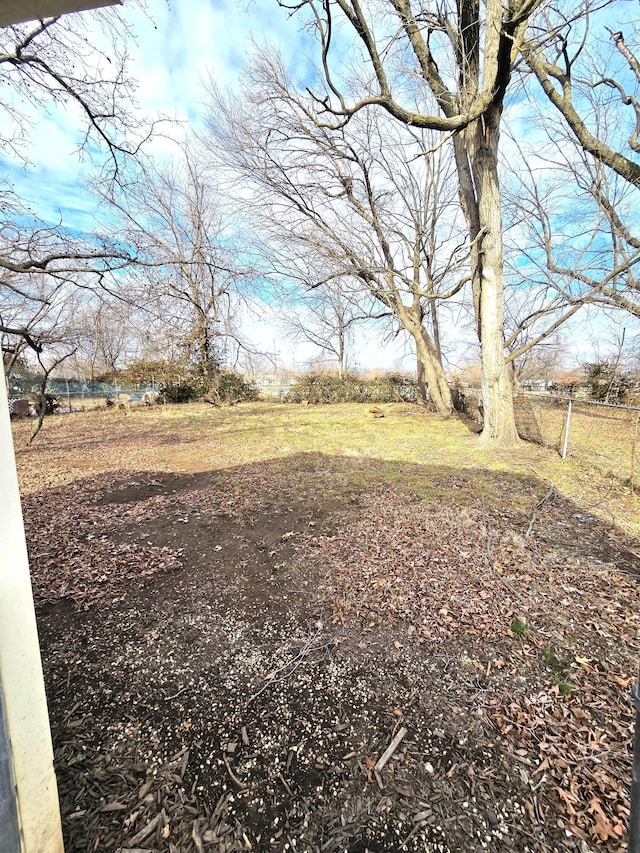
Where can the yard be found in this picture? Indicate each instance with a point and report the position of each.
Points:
(277, 628)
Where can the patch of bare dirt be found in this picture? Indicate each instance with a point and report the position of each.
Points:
(229, 655)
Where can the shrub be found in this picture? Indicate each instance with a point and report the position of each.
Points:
(174, 392)
(233, 387)
(607, 383)
(226, 387)
(318, 387)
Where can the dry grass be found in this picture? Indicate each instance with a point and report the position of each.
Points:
(602, 438)
(198, 437)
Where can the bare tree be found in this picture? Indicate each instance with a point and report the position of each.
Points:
(324, 316)
(104, 337)
(590, 74)
(368, 199)
(572, 229)
(43, 399)
(36, 248)
(55, 61)
(38, 325)
(187, 273)
(54, 64)
(456, 59)
(50, 283)
(35, 312)
(580, 83)
(540, 363)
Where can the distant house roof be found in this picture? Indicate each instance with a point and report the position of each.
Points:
(18, 11)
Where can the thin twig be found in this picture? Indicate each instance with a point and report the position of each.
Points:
(285, 784)
(295, 663)
(538, 506)
(173, 696)
(492, 565)
(540, 783)
(232, 775)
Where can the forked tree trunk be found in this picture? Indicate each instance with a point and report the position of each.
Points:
(433, 372)
(429, 357)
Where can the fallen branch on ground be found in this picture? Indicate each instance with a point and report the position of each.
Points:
(386, 755)
(232, 775)
(492, 565)
(538, 506)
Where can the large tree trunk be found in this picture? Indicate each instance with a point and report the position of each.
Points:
(428, 357)
(433, 372)
(497, 395)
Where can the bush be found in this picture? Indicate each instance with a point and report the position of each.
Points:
(145, 370)
(174, 392)
(607, 383)
(317, 387)
(233, 387)
(227, 387)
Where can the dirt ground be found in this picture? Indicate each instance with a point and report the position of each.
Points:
(230, 653)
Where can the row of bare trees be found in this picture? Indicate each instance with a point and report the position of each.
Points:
(444, 164)
(357, 211)
(389, 177)
(153, 275)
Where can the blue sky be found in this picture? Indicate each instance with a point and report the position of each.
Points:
(177, 46)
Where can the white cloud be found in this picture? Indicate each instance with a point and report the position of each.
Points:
(181, 47)
(176, 48)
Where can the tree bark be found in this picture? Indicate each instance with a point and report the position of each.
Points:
(342, 350)
(429, 359)
(485, 222)
(432, 373)
(422, 382)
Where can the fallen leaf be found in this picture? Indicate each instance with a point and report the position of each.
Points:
(602, 827)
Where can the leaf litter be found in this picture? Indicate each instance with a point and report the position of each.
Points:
(166, 602)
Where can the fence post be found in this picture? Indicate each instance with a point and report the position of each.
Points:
(566, 434)
(634, 819)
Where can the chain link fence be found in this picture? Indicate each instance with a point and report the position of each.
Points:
(601, 435)
(24, 386)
